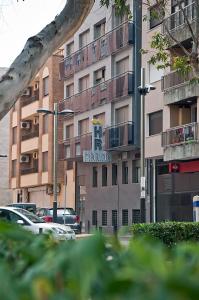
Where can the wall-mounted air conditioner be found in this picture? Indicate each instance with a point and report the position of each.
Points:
(25, 124)
(26, 92)
(24, 158)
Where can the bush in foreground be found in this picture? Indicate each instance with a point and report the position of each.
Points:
(38, 268)
(169, 233)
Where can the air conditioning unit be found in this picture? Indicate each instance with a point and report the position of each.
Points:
(26, 92)
(24, 158)
(25, 125)
(35, 155)
(36, 121)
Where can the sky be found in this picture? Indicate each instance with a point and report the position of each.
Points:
(20, 20)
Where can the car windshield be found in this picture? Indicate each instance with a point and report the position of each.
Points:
(33, 218)
(62, 211)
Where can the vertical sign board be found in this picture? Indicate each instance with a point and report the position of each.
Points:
(97, 154)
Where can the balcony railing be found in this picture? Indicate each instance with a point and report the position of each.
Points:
(106, 92)
(30, 135)
(177, 19)
(73, 147)
(173, 79)
(180, 135)
(119, 136)
(27, 171)
(25, 100)
(102, 47)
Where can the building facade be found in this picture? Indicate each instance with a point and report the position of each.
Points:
(98, 85)
(31, 139)
(6, 195)
(172, 122)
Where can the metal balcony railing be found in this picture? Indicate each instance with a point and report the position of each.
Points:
(180, 135)
(26, 171)
(105, 92)
(25, 100)
(100, 48)
(173, 79)
(30, 135)
(177, 19)
(119, 136)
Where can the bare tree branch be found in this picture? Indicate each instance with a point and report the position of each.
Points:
(37, 50)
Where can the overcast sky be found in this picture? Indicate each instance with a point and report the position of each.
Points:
(20, 20)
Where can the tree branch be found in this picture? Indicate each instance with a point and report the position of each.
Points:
(37, 50)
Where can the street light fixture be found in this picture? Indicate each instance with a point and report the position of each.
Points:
(143, 90)
(55, 114)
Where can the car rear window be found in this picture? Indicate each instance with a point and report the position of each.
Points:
(62, 211)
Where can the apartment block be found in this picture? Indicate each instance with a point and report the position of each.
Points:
(172, 122)
(98, 76)
(6, 195)
(31, 139)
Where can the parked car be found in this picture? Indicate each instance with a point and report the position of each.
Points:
(31, 207)
(33, 223)
(64, 216)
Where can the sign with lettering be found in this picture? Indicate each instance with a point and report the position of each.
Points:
(96, 156)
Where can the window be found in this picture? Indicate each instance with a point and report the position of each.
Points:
(84, 83)
(125, 172)
(68, 131)
(14, 168)
(94, 217)
(154, 73)
(104, 218)
(45, 161)
(45, 124)
(104, 175)
(114, 174)
(125, 217)
(122, 66)
(99, 29)
(84, 38)
(94, 176)
(46, 86)
(114, 218)
(156, 15)
(67, 151)
(99, 76)
(118, 19)
(83, 126)
(135, 171)
(69, 90)
(78, 149)
(122, 114)
(14, 135)
(135, 216)
(155, 122)
(69, 48)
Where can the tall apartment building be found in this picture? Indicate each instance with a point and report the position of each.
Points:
(31, 138)
(98, 84)
(173, 156)
(6, 196)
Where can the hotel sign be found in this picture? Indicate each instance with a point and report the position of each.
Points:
(97, 154)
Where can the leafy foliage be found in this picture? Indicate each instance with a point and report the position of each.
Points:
(38, 268)
(169, 233)
(121, 7)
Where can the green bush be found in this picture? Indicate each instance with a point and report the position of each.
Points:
(39, 268)
(169, 233)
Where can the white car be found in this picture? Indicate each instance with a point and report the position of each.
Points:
(33, 223)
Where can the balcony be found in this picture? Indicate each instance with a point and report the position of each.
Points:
(30, 135)
(109, 91)
(30, 145)
(104, 46)
(119, 137)
(73, 148)
(177, 87)
(27, 171)
(176, 24)
(26, 100)
(181, 142)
